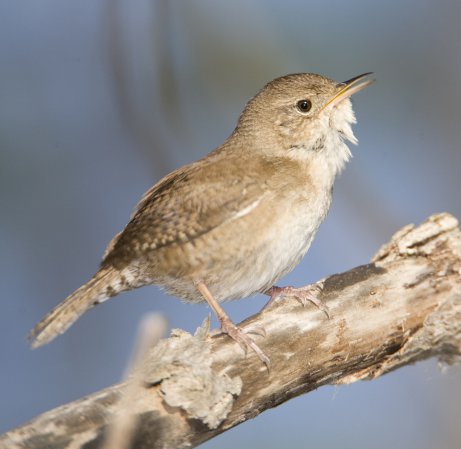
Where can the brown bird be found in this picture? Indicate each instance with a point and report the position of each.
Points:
(233, 223)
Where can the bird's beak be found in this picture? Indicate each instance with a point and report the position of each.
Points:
(350, 87)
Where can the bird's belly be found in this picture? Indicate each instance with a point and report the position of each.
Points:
(281, 250)
(239, 259)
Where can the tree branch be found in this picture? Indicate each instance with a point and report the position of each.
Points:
(403, 307)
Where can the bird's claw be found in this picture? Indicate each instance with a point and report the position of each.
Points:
(304, 295)
(245, 341)
(256, 330)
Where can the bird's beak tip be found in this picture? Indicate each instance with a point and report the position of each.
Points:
(356, 79)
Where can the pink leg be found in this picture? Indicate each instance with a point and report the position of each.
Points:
(228, 327)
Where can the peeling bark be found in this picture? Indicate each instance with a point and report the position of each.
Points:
(403, 307)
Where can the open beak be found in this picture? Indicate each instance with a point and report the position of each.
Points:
(350, 87)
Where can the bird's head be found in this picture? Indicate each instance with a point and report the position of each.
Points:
(303, 114)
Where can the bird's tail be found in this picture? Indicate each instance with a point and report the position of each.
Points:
(104, 284)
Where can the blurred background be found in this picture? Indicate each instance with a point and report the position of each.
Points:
(100, 98)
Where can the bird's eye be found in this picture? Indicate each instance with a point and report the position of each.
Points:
(304, 105)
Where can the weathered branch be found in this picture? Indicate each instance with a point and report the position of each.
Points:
(403, 307)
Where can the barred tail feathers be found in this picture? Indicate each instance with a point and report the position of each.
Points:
(104, 284)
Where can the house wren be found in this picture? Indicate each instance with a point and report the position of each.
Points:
(233, 223)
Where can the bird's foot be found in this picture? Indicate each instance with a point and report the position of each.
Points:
(306, 294)
(242, 338)
(229, 328)
(256, 330)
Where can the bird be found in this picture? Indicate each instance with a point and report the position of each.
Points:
(233, 223)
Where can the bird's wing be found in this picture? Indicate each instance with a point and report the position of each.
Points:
(187, 204)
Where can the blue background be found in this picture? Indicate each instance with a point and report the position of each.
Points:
(99, 99)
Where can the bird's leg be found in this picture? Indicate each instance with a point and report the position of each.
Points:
(308, 293)
(228, 327)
